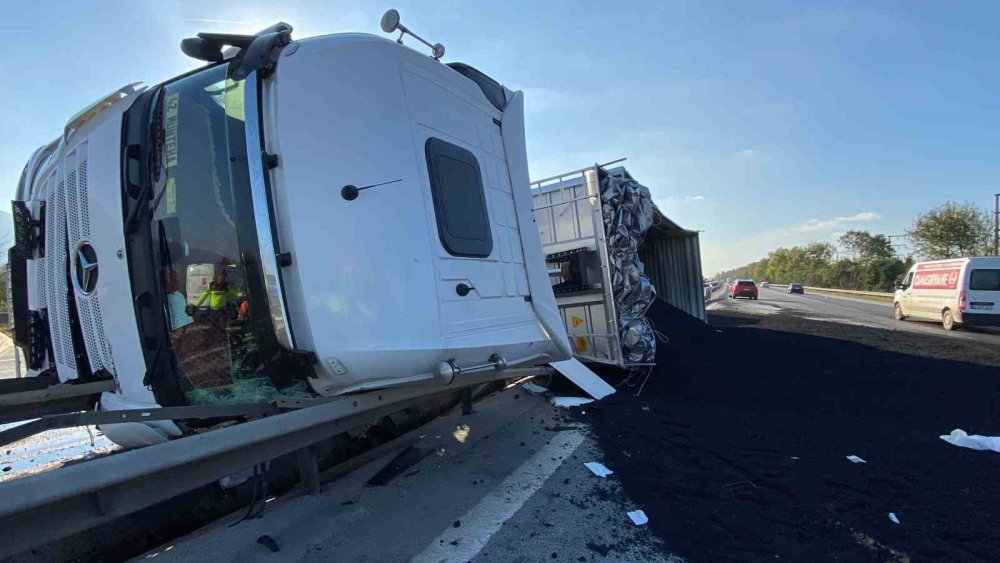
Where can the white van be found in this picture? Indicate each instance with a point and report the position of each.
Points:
(957, 292)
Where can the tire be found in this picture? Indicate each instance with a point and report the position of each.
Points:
(948, 320)
(897, 312)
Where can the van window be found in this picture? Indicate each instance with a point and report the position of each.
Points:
(984, 280)
(459, 201)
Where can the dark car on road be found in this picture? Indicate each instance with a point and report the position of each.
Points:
(796, 288)
(743, 288)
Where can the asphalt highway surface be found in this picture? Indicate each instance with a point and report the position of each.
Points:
(814, 306)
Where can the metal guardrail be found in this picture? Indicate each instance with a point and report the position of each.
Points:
(42, 508)
(873, 294)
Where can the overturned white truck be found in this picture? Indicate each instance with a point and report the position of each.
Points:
(296, 220)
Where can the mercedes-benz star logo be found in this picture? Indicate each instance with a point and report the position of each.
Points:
(86, 269)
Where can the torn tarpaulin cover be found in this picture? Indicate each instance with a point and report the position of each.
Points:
(627, 209)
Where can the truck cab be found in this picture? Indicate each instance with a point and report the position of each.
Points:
(298, 217)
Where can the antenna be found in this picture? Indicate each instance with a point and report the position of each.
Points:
(390, 23)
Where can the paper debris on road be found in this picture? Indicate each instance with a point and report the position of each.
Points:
(856, 459)
(958, 437)
(638, 517)
(892, 516)
(570, 401)
(534, 389)
(598, 469)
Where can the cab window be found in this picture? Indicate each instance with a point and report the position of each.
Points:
(459, 200)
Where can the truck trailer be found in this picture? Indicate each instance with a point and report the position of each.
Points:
(296, 220)
(610, 251)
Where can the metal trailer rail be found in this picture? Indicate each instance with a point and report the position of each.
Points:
(42, 508)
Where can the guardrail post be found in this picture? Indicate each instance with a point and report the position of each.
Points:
(467, 400)
(309, 469)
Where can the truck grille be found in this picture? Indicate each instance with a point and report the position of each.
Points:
(56, 288)
(69, 223)
(78, 225)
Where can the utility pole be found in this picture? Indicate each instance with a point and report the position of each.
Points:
(996, 224)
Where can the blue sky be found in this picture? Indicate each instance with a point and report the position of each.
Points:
(760, 123)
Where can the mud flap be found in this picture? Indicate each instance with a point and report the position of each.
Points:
(584, 378)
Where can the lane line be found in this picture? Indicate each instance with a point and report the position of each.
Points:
(489, 515)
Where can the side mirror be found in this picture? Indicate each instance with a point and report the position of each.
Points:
(202, 49)
(901, 286)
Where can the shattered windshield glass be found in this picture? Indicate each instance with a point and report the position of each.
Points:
(201, 264)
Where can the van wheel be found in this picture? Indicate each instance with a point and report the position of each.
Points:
(948, 320)
(898, 313)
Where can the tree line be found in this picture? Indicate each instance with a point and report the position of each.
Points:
(868, 261)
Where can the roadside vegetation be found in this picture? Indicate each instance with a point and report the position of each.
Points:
(868, 262)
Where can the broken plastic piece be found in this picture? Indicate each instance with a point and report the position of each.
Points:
(598, 469)
(892, 516)
(856, 459)
(534, 389)
(584, 378)
(570, 401)
(638, 517)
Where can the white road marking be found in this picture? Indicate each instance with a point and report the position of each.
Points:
(489, 515)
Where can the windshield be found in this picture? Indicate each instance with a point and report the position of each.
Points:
(199, 256)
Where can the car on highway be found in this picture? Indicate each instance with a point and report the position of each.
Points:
(743, 288)
(958, 292)
(796, 288)
(765, 285)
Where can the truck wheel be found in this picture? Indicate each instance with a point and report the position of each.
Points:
(898, 312)
(948, 320)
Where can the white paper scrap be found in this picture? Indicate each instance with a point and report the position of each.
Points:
(892, 516)
(598, 469)
(856, 459)
(638, 517)
(958, 437)
(570, 401)
(534, 389)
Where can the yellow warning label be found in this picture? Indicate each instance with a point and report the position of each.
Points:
(581, 344)
(171, 196)
(577, 321)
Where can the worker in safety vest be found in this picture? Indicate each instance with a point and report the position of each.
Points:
(218, 292)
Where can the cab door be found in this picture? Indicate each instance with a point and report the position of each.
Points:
(482, 279)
